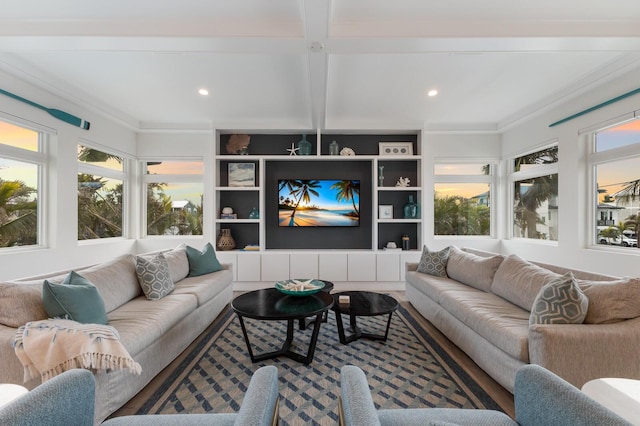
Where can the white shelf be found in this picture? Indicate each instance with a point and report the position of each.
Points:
(238, 220)
(399, 188)
(237, 188)
(417, 220)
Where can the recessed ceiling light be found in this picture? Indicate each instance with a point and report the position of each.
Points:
(203, 92)
(432, 93)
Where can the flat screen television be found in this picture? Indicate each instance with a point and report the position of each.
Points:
(318, 202)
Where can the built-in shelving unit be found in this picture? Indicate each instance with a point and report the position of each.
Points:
(267, 156)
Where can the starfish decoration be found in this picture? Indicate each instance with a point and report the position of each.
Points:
(293, 149)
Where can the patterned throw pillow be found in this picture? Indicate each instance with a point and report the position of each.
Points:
(153, 276)
(434, 262)
(560, 302)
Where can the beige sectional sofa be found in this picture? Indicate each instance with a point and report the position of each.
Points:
(483, 306)
(154, 332)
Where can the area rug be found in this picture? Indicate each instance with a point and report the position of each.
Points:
(409, 370)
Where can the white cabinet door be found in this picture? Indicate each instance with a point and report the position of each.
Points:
(275, 267)
(408, 257)
(332, 266)
(388, 267)
(303, 265)
(229, 257)
(361, 267)
(248, 267)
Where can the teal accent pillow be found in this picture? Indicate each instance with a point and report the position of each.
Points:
(202, 262)
(75, 299)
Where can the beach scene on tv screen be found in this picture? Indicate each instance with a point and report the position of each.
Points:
(318, 202)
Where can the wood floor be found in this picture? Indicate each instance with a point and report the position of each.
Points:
(503, 397)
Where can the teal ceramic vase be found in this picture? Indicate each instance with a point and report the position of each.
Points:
(410, 209)
(304, 146)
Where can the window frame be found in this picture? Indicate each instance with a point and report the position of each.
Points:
(516, 176)
(490, 179)
(123, 175)
(593, 160)
(166, 178)
(40, 159)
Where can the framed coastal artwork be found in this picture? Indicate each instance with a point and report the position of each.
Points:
(385, 211)
(242, 174)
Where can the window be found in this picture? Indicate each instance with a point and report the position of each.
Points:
(101, 178)
(22, 160)
(174, 197)
(534, 180)
(615, 163)
(462, 199)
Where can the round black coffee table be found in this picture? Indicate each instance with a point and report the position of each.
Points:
(270, 305)
(362, 304)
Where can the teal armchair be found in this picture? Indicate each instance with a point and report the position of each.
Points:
(68, 400)
(541, 399)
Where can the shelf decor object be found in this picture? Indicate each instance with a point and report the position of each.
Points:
(395, 148)
(225, 240)
(385, 211)
(403, 182)
(304, 146)
(380, 175)
(254, 213)
(334, 148)
(410, 209)
(242, 174)
(293, 150)
(406, 242)
(347, 152)
(238, 144)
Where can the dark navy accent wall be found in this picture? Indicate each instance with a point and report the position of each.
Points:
(317, 237)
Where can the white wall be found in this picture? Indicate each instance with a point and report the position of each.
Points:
(63, 251)
(573, 248)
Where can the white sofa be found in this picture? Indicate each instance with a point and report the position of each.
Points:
(484, 304)
(154, 332)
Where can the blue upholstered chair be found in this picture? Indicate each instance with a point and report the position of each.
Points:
(68, 400)
(541, 399)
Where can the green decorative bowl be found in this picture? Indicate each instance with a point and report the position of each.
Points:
(299, 287)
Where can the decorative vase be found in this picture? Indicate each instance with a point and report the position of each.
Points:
(304, 146)
(254, 213)
(334, 148)
(225, 240)
(410, 209)
(380, 175)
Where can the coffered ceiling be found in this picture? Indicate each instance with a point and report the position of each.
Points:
(328, 64)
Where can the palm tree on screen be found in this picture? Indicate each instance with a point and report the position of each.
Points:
(302, 190)
(347, 191)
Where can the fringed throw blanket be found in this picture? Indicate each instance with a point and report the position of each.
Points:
(49, 347)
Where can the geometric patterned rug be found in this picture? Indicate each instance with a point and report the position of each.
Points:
(409, 370)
